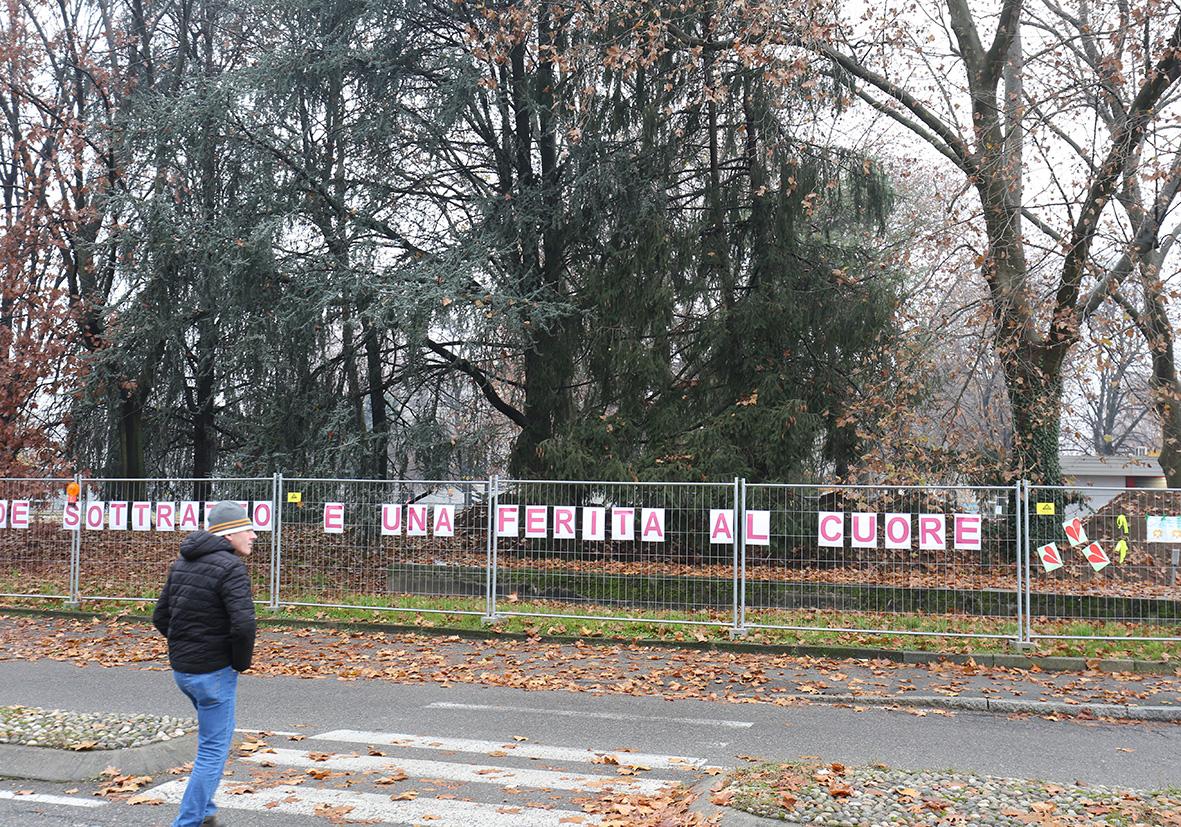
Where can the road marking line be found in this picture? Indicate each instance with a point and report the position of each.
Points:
(466, 773)
(372, 806)
(516, 750)
(52, 799)
(570, 713)
(268, 731)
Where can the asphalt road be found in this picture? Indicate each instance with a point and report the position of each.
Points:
(997, 745)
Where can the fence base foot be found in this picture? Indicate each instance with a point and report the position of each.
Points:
(73, 605)
(737, 633)
(1023, 645)
(489, 620)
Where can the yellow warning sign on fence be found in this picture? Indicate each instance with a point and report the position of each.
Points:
(1045, 509)
(297, 497)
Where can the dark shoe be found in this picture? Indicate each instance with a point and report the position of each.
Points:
(211, 821)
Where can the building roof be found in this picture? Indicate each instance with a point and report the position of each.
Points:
(1077, 465)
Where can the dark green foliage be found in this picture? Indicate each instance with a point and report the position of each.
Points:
(372, 239)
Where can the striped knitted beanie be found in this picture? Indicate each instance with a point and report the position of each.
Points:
(227, 518)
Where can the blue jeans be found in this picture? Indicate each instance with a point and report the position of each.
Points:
(214, 695)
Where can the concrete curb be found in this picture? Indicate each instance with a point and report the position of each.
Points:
(1121, 712)
(1046, 663)
(727, 816)
(46, 764)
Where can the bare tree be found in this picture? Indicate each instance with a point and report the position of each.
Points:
(988, 93)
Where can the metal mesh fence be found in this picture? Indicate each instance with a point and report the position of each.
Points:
(35, 550)
(408, 545)
(627, 550)
(132, 529)
(898, 559)
(1014, 562)
(1103, 562)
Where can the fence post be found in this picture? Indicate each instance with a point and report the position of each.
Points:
(1019, 558)
(276, 537)
(75, 598)
(1028, 596)
(737, 628)
(742, 574)
(490, 548)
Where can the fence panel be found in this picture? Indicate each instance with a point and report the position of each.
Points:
(1104, 563)
(132, 528)
(35, 551)
(636, 551)
(398, 545)
(898, 559)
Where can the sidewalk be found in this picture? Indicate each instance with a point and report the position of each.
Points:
(711, 675)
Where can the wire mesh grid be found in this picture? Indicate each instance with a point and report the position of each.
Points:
(35, 550)
(132, 529)
(398, 545)
(636, 551)
(898, 560)
(1103, 563)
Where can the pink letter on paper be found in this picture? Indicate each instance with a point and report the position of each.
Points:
(20, 514)
(333, 518)
(96, 513)
(967, 531)
(391, 519)
(188, 521)
(535, 521)
(719, 526)
(506, 521)
(165, 516)
(863, 530)
(564, 523)
(141, 516)
(263, 515)
(652, 522)
(118, 514)
(71, 517)
(594, 523)
(758, 528)
(416, 516)
(188, 516)
(898, 531)
(444, 521)
(623, 524)
(830, 529)
(932, 532)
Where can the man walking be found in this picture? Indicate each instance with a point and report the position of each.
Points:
(206, 611)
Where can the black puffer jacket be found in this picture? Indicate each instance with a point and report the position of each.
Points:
(206, 609)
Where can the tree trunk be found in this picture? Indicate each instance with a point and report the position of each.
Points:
(1157, 331)
(548, 356)
(380, 441)
(203, 436)
(1034, 384)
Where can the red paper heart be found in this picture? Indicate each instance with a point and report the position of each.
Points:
(1074, 529)
(1050, 555)
(1096, 554)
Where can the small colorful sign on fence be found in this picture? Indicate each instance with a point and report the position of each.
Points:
(1050, 556)
(1163, 529)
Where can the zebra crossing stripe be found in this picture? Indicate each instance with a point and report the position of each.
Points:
(6, 795)
(465, 773)
(437, 812)
(516, 750)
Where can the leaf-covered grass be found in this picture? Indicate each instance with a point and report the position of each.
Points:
(926, 633)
